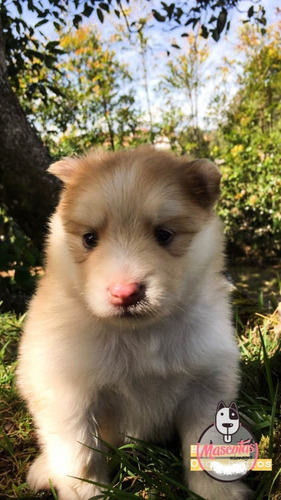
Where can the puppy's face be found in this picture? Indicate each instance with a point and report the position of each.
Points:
(227, 418)
(129, 220)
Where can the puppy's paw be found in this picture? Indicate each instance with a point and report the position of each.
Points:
(210, 489)
(238, 491)
(38, 475)
(68, 488)
(76, 490)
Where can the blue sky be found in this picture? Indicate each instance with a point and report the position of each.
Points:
(158, 41)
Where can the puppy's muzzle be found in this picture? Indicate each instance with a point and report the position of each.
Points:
(126, 294)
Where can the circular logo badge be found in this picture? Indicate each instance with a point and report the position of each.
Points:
(227, 450)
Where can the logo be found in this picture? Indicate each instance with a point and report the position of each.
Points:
(227, 420)
(227, 449)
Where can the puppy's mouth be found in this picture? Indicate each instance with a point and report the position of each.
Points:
(148, 308)
(139, 310)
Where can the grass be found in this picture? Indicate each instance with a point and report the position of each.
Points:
(142, 469)
(259, 401)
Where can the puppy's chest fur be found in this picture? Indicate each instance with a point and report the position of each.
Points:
(142, 407)
(133, 357)
(143, 384)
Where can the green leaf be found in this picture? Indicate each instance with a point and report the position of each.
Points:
(56, 90)
(87, 10)
(100, 15)
(104, 6)
(251, 11)
(190, 21)
(221, 21)
(215, 35)
(52, 45)
(158, 16)
(178, 14)
(44, 21)
(30, 5)
(42, 13)
(170, 9)
(76, 20)
(18, 6)
(204, 31)
(262, 20)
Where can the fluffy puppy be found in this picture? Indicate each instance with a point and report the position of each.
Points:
(129, 332)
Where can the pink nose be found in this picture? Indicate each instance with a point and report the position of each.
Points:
(125, 294)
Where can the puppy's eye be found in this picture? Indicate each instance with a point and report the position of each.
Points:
(164, 236)
(90, 240)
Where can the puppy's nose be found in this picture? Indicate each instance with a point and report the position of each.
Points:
(126, 294)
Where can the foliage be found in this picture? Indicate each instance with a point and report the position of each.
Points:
(102, 83)
(184, 81)
(142, 42)
(22, 42)
(27, 46)
(89, 100)
(18, 263)
(77, 93)
(248, 147)
(186, 74)
(29, 51)
(219, 21)
(183, 139)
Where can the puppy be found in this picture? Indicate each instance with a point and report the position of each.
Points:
(129, 333)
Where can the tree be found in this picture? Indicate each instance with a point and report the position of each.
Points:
(25, 190)
(103, 85)
(24, 157)
(183, 83)
(179, 14)
(134, 34)
(96, 103)
(143, 44)
(249, 147)
(186, 74)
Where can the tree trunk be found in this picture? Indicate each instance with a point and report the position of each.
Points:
(27, 192)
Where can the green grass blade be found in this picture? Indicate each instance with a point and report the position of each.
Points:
(267, 369)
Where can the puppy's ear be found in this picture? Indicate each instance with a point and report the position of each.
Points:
(64, 169)
(233, 406)
(203, 178)
(221, 405)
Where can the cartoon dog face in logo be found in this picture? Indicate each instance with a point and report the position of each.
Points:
(227, 420)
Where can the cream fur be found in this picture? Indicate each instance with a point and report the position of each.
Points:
(86, 371)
